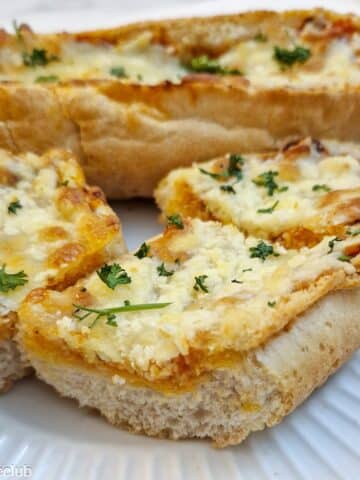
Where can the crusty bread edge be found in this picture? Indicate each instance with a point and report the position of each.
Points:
(266, 386)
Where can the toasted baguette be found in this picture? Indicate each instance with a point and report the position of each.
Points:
(296, 195)
(130, 131)
(210, 362)
(54, 229)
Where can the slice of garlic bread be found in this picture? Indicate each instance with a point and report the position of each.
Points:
(137, 101)
(54, 230)
(166, 340)
(296, 195)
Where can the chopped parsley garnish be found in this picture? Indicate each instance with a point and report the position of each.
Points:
(236, 281)
(163, 272)
(113, 275)
(271, 304)
(143, 251)
(47, 79)
(200, 283)
(247, 270)
(110, 313)
(289, 57)
(354, 232)
(268, 210)
(227, 189)
(344, 258)
(118, 72)
(10, 281)
(233, 170)
(267, 180)
(260, 37)
(38, 57)
(139, 77)
(63, 183)
(332, 244)
(317, 188)
(204, 64)
(262, 250)
(13, 207)
(17, 30)
(176, 221)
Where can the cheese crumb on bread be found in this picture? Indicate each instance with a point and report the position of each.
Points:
(218, 294)
(297, 195)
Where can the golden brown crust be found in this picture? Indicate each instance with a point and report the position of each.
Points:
(129, 136)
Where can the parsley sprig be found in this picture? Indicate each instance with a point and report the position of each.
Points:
(161, 269)
(118, 72)
(331, 244)
(204, 64)
(176, 221)
(13, 207)
(270, 209)
(267, 180)
(318, 187)
(234, 170)
(199, 284)
(113, 275)
(10, 281)
(38, 57)
(143, 251)
(288, 57)
(110, 313)
(262, 251)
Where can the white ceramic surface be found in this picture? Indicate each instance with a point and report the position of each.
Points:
(58, 441)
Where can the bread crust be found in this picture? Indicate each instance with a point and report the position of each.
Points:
(129, 136)
(257, 392)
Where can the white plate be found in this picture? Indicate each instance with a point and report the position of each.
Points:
(52, 438)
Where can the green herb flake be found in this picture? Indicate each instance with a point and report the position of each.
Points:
(344, 258)
(200, 284)
(236, 281)
(332, 244)
(267, 180)
(353, 233)
(261, 37)
(143, 251)
(323, 187)
(81, 312)
(228, 189)
(13, 207)
(270, 209)
(247, 270)
(234, 169)
(38, 57)
(10, 281)
(47, 79)
(176, 221)
(204, 64)
(163, 272)
(118, 72)
(289, 57)
(262, 251)
(271, 304)
(113, 275)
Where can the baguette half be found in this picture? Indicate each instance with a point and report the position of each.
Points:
(54, 229)
(138, 101)
(191, 340)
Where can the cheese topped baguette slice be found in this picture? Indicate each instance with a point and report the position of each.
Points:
(136, 101)
(54, 229)
(296, 195)
(150, 338)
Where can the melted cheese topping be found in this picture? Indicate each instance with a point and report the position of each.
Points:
(247, 299)
(318, 191)
(46, 236)
(333, 62)
(139, 60)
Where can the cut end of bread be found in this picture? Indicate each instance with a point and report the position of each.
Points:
(13, 366)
